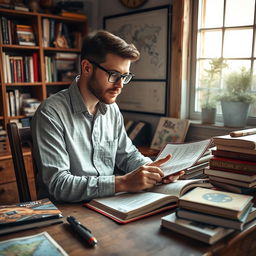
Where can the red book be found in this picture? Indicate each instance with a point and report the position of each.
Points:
(233, 164)
(35, 64)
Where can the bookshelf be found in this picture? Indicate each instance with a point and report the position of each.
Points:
(26, 66)
(30, 78)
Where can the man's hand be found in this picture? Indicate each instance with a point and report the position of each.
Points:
(144, 177)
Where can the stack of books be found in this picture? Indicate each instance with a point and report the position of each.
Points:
(197, 170)
(209, 215)
(233, 166)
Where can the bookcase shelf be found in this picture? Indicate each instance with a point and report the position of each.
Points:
(61, 49)
(29, 68)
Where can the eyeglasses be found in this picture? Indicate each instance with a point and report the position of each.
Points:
(114, 76)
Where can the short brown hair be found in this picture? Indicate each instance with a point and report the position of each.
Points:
(98, 44)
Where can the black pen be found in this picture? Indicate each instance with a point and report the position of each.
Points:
(84, 232)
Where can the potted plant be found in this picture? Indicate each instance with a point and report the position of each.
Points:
(236, 98)
(210, 83)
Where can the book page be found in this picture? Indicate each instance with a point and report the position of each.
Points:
(183, 155)
(129, 202)
(179, 187)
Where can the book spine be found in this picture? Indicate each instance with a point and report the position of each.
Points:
(12, 103)
(230, 165)
(35, 65)
(234, 155)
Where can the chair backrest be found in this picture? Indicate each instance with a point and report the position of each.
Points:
(17, 138)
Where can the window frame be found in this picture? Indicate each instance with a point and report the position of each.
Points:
(196, 115)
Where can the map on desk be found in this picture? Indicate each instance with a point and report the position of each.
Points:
(39, 244)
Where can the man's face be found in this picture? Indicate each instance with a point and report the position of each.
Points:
(99, 85)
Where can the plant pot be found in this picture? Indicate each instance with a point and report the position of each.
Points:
(234, 113)
(208, 115)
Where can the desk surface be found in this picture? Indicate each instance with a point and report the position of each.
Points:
(143, 237)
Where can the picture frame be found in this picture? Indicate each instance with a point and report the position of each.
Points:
(148, 30)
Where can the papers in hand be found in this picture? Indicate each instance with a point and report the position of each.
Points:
(184, 155)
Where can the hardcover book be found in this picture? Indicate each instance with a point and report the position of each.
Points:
(218, 221)
(233, 188)
(169, 130)
(203, 232)
(234, 155)
(239, 183)
(237, 149)
(234, 164)
(127, 207)
(27, 215)
(248, 142)
(219, 203)
(232, 174)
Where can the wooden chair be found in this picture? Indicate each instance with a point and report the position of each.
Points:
(17, 138)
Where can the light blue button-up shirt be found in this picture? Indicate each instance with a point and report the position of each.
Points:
(76, 152)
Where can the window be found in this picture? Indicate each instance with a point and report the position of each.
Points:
(222, 29)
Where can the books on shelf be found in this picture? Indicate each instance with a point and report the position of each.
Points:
(58, 34)
(25, 35)
(27, 215)
(184, 155)
(247, 142)
(214, 202)
(206, 233)
(19, 69)
(127, 207)
(169, 130)
(39, 244)
(249, 215)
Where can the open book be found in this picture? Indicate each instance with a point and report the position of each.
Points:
(184, 155)
(127, 207)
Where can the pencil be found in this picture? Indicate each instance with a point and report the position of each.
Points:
(243, 132)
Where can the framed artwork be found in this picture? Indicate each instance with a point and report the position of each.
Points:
(148, 30)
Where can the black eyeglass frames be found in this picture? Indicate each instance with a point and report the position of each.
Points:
(114, 76)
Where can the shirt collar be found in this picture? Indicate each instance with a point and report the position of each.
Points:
(77, 101)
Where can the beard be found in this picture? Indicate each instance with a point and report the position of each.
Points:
(107, 96)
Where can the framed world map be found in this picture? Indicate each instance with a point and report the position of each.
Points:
(148, 30)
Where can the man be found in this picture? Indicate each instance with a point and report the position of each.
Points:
(78, 133)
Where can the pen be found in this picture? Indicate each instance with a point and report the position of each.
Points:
(243, 132)
(84, 232)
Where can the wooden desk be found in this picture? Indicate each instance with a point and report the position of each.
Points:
(140, 238)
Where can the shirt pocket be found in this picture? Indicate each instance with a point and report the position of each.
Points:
(108, 152)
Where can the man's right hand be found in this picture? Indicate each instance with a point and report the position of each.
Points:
(144, 177)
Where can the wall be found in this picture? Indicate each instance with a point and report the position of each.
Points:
(112, 7)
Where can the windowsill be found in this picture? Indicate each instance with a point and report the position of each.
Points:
(199, 131)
